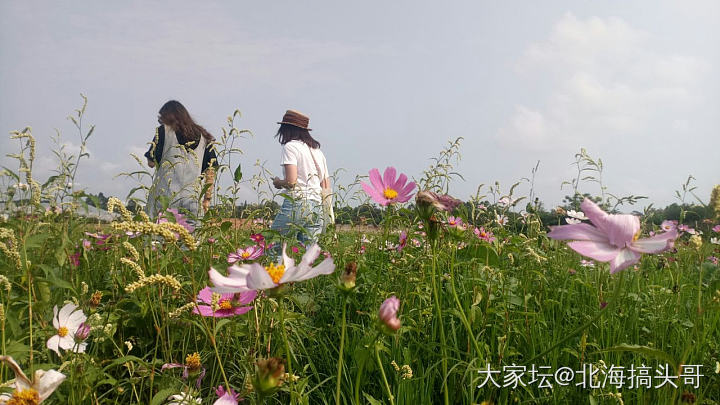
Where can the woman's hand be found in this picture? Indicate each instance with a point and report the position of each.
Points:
(278, 183)
(151, 163)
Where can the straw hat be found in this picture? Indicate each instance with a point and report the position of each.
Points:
(296, 118)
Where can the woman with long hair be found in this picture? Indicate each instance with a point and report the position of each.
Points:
(183, 154)
(305, 177)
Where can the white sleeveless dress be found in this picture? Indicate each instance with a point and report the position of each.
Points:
(178, 177)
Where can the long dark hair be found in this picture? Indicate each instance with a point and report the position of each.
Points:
(174, 115)
(287, 133)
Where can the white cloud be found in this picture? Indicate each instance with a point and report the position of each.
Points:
(605, 80)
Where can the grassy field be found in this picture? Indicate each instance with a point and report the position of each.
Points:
(523, 309)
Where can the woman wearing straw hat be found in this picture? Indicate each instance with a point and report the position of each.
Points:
(305, 176)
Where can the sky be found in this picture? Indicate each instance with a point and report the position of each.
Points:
(385, 84)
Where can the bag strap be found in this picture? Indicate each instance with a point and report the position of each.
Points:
(317, 168)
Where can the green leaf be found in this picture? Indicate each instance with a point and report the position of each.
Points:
(645, 351)
(225, 226)
(371, 400)
(237, 176)
(162, 395)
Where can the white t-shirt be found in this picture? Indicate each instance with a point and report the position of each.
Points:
(308, 179)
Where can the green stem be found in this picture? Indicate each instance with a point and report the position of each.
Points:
(358, 379)
(217, 356)
(438, 310)
(461, 311)
(287, 348)
(578, 330)
(382, 372)
(340, 355)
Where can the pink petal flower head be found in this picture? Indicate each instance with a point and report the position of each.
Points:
(228, 304)
(246, 254)
(75, 259)
(403, 241)
(258, 238)
(455, 222)
(483, 234)
(86, 244)
(388, 313)
(441, 202)
(226, 397)
(180, 219)
(668, 225)
(611, 238)
(388, 189)
(716, 228)
(295, 249)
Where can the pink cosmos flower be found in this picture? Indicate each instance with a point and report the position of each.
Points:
(455, 222)
(100, 238)
(388, 313)
(483, 234)
(229, 304)
(179, 219)
(226, 397)
(249, 253)
(403, 241)
(86, 244)
(668, 225)
(388, 189)
(716, 228)
(295, 249)
(257, 238)
(254, 276)
(75, 259)
(686, 228)
(611, 238)
(714, 260)
(416, 243)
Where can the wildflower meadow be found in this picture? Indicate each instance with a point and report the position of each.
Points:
(413, 296)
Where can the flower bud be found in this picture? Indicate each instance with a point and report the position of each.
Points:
(348, 277)
(268, 375)
(82, 333)
(388, 313)
(442, 202)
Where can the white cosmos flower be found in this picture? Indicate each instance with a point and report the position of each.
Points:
(44, 382)
(253, 276)
(501, 219)
(577, 215)
(571, 221)
(715, 241)
(183, 398)
(66, 323)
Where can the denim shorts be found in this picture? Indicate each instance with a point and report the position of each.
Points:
(299, 219)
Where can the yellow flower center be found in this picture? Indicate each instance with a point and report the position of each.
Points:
(225, 304)
(62, 331)
(636, 236)
(192, 361)
(245, 255)
(275, 271)
(390, 194)
(25, 397)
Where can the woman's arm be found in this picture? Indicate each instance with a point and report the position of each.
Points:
(290, 177)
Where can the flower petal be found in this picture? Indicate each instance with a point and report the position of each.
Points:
(65, 312)
(600, 251)
(399, 184)
(623, 260)
(594, 213)
(389, 177)
(259, 279)
(621, 229)
(66, 342)
(223, 284)
(54, 344)
(74, 320)
(56, 324)
(287, 261)
(577, 232)
(376, 180)
(374, 194)
(656, 244)
(327, 266)
(46, 382)
(205, 295)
